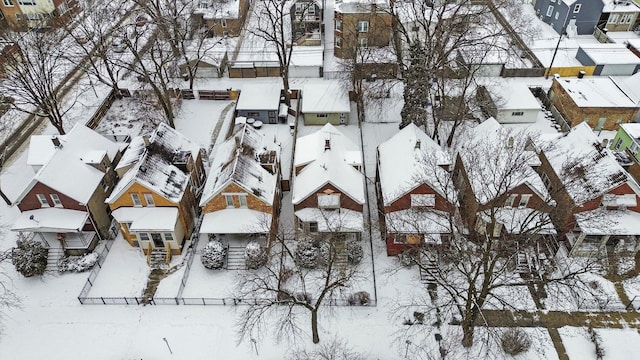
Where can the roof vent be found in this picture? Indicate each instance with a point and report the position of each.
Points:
(327, 144)
(417, 144)
(56, 142)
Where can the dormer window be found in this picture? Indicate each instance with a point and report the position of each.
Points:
(135, 198)
(423, 200)
(43, 200)
(510, 200)
(148, 198)
(524, 200)
(56, 200)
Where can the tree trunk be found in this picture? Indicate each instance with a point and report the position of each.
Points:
(314, 326)
(57, 124)
(467, 331)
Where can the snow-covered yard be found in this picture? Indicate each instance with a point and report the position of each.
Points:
(613, 342)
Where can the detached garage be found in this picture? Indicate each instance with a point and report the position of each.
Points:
(510, 103)
(609, 59)
(325, 101)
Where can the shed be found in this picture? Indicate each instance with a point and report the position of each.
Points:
(260, 102)
(325, 102)
(514, 103)
(609, 59)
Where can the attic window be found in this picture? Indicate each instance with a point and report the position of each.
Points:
(328, 201)
(423, 200)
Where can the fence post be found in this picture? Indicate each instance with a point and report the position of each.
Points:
(177, 302)
(103, 303)
(224, 302)
(126, 301)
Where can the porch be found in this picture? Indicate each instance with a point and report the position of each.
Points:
(595, 230)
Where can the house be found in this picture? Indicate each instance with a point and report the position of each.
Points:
(306, 18)
(260, 102)
(64, 201)
(361, 23)
(499, 191)
(626, 148)
(598, 101)
(609, 59)
(209, 58)
(509, 103)
(222, 17)
(27, 14)
(156, 200)
(241, 197)
(619, 15)
(328, 193)
(415, 191)
(598, 201)
(578, 17)
(325, 102)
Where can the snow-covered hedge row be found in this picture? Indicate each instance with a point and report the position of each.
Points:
(78, 263)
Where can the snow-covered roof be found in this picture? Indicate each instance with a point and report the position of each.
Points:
(359, 6)
(238, 160)
(414, 221)
(496, 161)
(586, 169)
(156, 166)
(632, 129)
(213, 9)
(259, 97)
(595, 91)
(310, 147)
(609, 222)
(619, 6)
(328, 96)
(50, 220)
(307, 56)
(518, 220)
(329, 168)
(136, 148)
(338, 220)
(610, 53)
(41, 149)
(235, 221)
(630, 86)
(403, 164)
(509, 95)
(147, 218)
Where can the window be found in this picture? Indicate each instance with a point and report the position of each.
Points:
(363, 26)
(517, 113)
(524, 200)
(497, 229)
(144, 236)
(633, 148)
(56, 200)
(8, 2)
(243, 200)
(253, 113)
(43, 200)
(423, 200)
(313, 226)
(34, 17)
(400, 239)
(510, 200)
(576, 8)
(27, 2)
(362, 42)
(224, 23)
(550, 10)
(557, 15)
(63, 8)
(618, 144)
(167, 236)
(272, 113)
(338, 42)
(148, 198)
(321, 115)
(626, 19)
(546, 181)
(136, 200)
(338, 24)
(229, 200)
(613, 19)
(311, 10)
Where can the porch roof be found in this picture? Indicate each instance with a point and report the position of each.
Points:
(51, 220)
(609, 222)
(235, 221)
(147, 218)
(339, 220)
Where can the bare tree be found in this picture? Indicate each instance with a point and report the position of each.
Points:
(289, 283)
(34, 74)
(8, 298)
(336, 349)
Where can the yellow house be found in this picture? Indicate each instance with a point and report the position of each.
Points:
(156, 201)
(242, 193)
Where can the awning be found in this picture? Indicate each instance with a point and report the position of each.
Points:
(51, 220)
(236, 221)
(147, 218)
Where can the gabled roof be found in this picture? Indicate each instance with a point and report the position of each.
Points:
(237, 160)
(329, 96)
(310, 147)
(411, 158)
(586, 169)
(329, 168)
(496, 161)
(155, 168)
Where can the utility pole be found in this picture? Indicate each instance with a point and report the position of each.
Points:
(562, 32)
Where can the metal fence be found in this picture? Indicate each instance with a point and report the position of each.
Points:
(102, 256)
(137, 300)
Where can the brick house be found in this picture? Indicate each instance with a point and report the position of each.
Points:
(306, 18)
(597, 101)
(415, 191)
(27, 14)
(222, 17)
(64, 202)
(328, 188)
(359, 23)
(242, 195)
(598, 201)
(155, 203)
(499, 192)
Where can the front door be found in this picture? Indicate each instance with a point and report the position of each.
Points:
(157, 240)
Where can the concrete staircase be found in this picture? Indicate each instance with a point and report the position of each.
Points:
(53, 258)
(429, 266)
(235, 258)
(158, 259)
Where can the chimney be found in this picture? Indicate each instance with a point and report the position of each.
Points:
(56, 142)
(327, 144)
(417, 144)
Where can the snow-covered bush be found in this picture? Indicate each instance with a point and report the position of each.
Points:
(78, 263)
(307, 253)
(354, 252)
(515, 341)
(405, 258)
(29, 257)
(359, 298)
(324, 253)
(597, 343)
(255, 256)
(213, 255)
